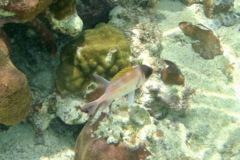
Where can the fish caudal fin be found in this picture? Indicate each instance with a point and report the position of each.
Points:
(90, 107)
(104, 105)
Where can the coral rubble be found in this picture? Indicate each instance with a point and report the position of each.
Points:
(103, 50)
(55, 106)
(208, 45)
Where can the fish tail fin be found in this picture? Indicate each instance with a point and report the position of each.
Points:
(90, 107)
(105, 105)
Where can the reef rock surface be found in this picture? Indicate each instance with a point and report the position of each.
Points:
(15, 98)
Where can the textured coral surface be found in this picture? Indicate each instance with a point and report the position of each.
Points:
(103, 50)
(15, 98)
(203, 126)
(89, 146)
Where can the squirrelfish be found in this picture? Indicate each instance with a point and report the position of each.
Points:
(123, 83)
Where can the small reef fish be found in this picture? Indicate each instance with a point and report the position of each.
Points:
(123, 83)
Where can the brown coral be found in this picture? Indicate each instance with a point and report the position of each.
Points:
(26, 10)
(208, 45)
(15, 98)
(94, 148)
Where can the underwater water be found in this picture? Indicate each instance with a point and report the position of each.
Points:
(189, 108)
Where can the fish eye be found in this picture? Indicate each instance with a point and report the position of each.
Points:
(146, 70)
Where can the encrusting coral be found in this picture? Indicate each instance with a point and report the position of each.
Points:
(97, 148)
(25, 10)
(103, 50)
(63, 17)
(125, 133)
(62, 14)
(15, 98)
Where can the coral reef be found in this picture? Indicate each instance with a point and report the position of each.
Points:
(55, 106)
(142, 30)
(197, 121)
(15, 98)
(26, 11)
(93, 12)
(120, 135)
(62, 8)
(208, 45)
(71, 25)
(64, 18)
(62, 14)
(142, 3)
(23, 10)
(89, 146)
(222, 11)
(212, 8)
(133, 132)
(103, 50)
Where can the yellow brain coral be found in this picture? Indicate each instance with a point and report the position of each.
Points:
(103, 50)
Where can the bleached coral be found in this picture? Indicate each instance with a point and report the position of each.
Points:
(71, 25)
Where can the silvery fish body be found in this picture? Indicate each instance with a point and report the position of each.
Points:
(127, 83)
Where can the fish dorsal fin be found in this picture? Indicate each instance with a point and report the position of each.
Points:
(122, 73)
(101, 80)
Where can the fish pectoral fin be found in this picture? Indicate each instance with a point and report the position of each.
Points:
(101, 80)
(131, 98)
(90, 107)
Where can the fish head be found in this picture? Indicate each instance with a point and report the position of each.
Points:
(146, 71)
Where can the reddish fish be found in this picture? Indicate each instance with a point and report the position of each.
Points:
(125, 82)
